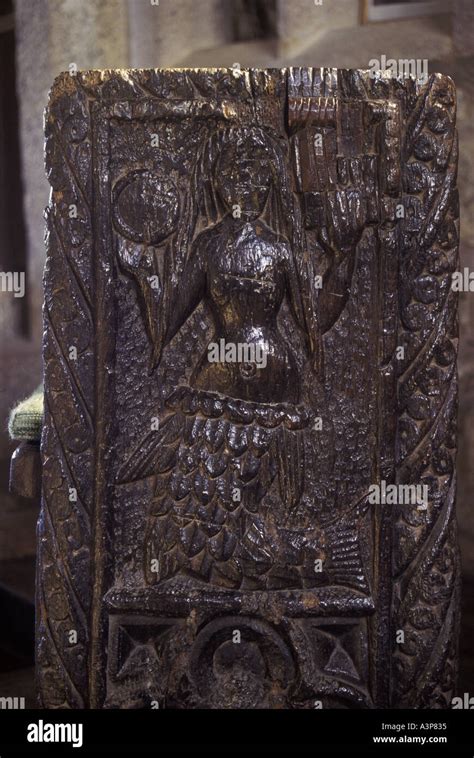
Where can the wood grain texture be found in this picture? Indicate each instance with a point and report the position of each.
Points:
(342, 254)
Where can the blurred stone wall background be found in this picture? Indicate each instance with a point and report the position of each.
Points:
(50, 35)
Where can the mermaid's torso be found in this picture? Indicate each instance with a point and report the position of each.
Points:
(245, 287)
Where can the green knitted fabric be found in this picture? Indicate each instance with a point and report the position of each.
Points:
(26, 418)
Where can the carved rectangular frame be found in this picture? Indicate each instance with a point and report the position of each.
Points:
(417, 567)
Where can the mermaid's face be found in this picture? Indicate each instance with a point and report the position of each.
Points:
(244, 177)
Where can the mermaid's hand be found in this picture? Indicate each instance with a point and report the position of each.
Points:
(346, 217)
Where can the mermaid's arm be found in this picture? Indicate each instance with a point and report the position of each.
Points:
(302, 298)
(293, 288)
(316, 303)
(346, 214)
(336, 287)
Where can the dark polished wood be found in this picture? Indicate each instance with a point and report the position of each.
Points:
(249, 322)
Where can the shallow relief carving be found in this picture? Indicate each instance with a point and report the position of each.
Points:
(238, 282)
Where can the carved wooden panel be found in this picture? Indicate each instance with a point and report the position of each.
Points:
(249, 325)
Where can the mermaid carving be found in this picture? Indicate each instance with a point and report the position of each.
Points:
(229, 459)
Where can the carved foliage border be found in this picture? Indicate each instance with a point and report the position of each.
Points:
(425, 557)
(64, 526)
